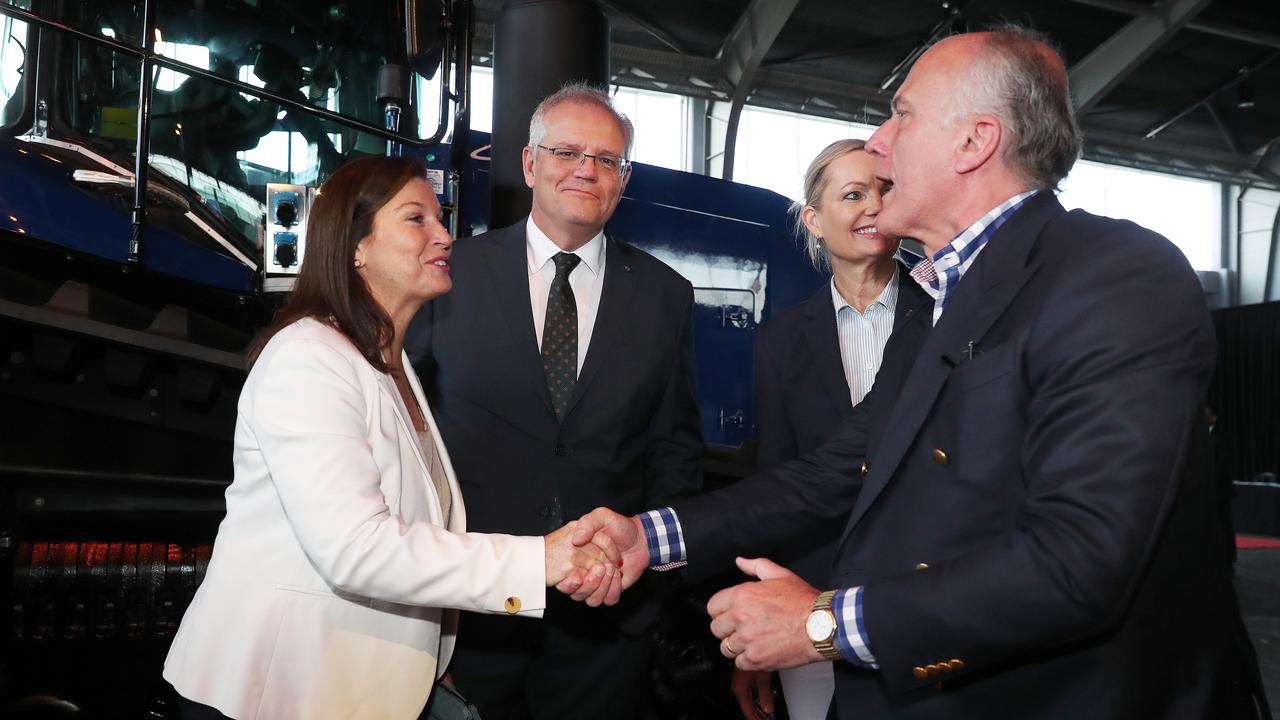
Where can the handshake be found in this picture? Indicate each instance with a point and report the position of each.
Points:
(593, 559)
(760, 623)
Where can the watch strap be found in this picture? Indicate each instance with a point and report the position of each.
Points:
(827, 648)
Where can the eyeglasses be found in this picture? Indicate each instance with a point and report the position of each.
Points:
(568, 157)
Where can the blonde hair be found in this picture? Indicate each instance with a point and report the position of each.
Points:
(815, 183)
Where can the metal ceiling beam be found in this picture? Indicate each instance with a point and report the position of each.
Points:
(671, 67)
(1242, 75)
(1208, 27)
(658, 32)
(740, 59)
(1109, 63)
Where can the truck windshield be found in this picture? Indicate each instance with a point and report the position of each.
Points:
(223, 142)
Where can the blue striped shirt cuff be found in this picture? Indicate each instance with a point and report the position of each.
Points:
(851, 631)
(665, 539)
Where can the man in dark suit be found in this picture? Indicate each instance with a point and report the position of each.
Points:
(560, 370)
(1030, 528)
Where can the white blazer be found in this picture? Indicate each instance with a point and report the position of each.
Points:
(326, 593)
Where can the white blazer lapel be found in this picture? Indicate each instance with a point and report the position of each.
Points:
(457, 513)
(387, 385)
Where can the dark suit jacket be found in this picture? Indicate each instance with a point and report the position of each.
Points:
(1051, 481)
(630, 438)
(801, 398)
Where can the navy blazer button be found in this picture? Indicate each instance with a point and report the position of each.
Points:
(919, 673)
(866, 468)
(940, 457)
(922, 566)
(559, 450)
(544, 511)
(956, 664)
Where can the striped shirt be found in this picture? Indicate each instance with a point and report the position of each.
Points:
(863, 336)
(940, 274)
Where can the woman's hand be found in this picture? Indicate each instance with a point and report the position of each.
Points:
(586, 573)
(754, 691)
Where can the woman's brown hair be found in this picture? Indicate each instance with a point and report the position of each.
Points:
(328, 287)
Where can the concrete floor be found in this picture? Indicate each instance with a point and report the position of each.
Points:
(1258, 583)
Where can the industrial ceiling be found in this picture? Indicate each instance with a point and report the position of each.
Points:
(1184, 86)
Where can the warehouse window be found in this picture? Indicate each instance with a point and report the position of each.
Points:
(774, 148)
(1185, 210)
(660, 119)
(661, 131)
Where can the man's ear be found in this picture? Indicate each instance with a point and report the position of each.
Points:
(981, 141)
(526, 161)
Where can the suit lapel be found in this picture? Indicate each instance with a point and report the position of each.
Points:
(982, 296)
(388, 386)
(509, 263)
(822, 337)
(620, 279)
(911, 300)
(457, 520)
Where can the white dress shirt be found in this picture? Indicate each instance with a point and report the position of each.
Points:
(863, 336)
(587, 280)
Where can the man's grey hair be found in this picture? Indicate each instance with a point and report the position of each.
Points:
(583, 93)
(816, 179)
(1020, 78)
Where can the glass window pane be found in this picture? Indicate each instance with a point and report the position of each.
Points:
(226, 146)
(660, 120)
(481, 103)
(97, 96)
(482, 99)
(13, 56)
(117, 19)
(1185, 210)
(774, 148)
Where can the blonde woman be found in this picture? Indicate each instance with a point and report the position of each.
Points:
(817, 360)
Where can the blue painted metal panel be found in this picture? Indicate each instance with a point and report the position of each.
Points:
(732, 242)
(39, 199)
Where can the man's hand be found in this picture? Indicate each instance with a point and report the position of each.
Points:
(754, 691)
(587, 572)
(625, 536)
(761, 624)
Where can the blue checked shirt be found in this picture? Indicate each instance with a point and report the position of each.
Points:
(666, 551)
(939, 278)
(940, 274)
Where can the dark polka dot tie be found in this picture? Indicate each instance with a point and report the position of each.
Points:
(560, 335)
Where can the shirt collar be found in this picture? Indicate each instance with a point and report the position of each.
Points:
(961, 246)
(542, 249)
(888, 297)
(959, 252)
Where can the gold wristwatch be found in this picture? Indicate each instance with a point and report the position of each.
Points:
(820, 626)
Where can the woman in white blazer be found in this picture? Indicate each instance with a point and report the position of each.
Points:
(337, 574)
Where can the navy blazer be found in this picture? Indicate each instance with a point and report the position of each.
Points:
(1034, 525)
(630, 438)
(802, 397)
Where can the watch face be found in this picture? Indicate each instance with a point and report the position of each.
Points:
(820, 626)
